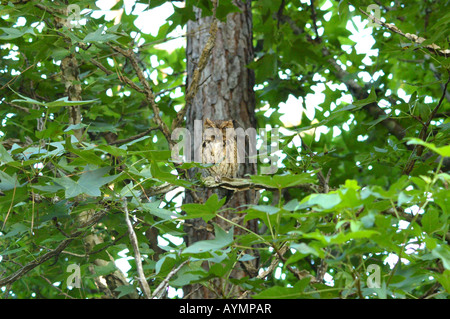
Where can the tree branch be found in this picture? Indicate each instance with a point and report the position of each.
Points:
(360, 93)
(433, 48)
(300, 274)
(150, 96)
(122, 78)
(53, 253)
(157, 294)
(135, 137)
(355, 89)
(437, 75)
(137, 255)
(60, 291)
(21, 108)
(269, 270)
(314, 20)
(418, 149)
(241, 184)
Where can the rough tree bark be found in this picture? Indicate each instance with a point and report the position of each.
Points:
(226, 92)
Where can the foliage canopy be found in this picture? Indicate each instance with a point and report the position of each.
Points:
(380, 127)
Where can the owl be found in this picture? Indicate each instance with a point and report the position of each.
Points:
(219, 148)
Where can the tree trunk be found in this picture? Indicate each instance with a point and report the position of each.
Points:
(225, 92)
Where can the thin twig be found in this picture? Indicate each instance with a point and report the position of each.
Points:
(280, 13)
(324, 180)
(122, 78)
(51, 284)
(433, 113)
(314, 19)
(22, 108)
(169, 89)
(135, 137)
(92, 252)
(418, 149)
(17, 76)
(437, 75)
(193, 291)
(150, 96)
(274, 264)
(137, 254)
(300, 274)
(323, 266)
(158, 292)
(412, 37)
(355, 89)
(157, 190)
(53, 253)
(430, 291)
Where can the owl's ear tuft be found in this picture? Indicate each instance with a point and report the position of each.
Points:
(227, 124)
(208, 122)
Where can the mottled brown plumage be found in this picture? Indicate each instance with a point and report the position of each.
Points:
(219, 148)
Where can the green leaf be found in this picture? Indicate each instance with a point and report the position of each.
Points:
(359, 234)
(48, 188)
(224, 8)
(247, 257)
(99, 36)
(443, 151)
(64, 101)
(282, 181)
(265, 67)
(89, 183)
(114, 151)
(28, 100)
(442, 252)
(380, 150)
(165, 264)
(221, 240)
(278, 292)
(207, 210)
(164, 214)
(430, 221)
(305, 249)
(13, 33)
(16, 229)
(8, 182)
(372, 98)
(105, 270)
(125, 290)
(292, 205)
(403, 198)
(368, 220)
(340, 238)
(57, 103)
(321, 201)
(12, 251)
(4, 156)
(88, 155)
(271, 210)
(188, 274)
(444, 279)
(156, 155)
